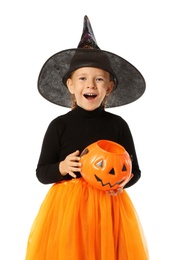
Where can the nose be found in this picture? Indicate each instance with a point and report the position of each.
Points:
(91, 84)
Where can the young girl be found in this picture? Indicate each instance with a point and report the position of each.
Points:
(77, 221)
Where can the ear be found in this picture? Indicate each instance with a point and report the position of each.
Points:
(70, 86)
(110, 88)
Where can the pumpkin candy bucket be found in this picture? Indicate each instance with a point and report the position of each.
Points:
(106, 165)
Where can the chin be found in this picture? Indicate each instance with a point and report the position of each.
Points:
(91, 107)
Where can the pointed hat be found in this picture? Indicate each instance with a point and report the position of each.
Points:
(129, 82)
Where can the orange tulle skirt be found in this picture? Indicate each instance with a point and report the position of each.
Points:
(79, 222)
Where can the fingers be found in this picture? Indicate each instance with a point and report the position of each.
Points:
(73, 157)
(114, 192)
(71, 164)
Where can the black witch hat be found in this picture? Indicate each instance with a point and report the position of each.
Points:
(129, 83)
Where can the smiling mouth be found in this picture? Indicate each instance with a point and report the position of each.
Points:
(105, 184)
(90, 96)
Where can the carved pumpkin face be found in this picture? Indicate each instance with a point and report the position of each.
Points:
(106, 165)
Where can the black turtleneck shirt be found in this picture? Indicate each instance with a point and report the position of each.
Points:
(76, 130)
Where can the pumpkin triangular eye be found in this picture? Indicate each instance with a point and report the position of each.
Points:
(100, 164)
(112, 171)
(85, 151)
(124, 169)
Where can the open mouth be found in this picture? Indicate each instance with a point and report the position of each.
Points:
(90, 96)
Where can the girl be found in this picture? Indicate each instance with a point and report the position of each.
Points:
(77, 221)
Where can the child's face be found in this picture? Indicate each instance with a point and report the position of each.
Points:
(90, 86)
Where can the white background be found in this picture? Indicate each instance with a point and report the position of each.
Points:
(141, 32)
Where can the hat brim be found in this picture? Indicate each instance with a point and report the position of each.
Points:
(131, 84)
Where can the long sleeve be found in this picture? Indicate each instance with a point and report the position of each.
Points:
(48, 165)
(126, 140)
(75, 131)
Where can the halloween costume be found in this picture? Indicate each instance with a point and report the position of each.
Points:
(129, 83)
(77, 221)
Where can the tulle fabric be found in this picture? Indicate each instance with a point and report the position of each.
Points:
(79, 222)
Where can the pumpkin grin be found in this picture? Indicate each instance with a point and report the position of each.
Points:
(108, 183)
(105, 165)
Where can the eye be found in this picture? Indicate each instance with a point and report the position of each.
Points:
(82, 78)
(85, 151)
(99, 79)
(100, 164)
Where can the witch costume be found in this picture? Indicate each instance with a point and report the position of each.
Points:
(76, 221)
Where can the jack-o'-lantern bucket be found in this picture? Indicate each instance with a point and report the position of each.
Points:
(106, 165)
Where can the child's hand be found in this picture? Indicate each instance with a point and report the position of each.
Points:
(70, 165)
(114, 192)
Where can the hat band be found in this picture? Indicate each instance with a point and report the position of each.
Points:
(89, 58)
